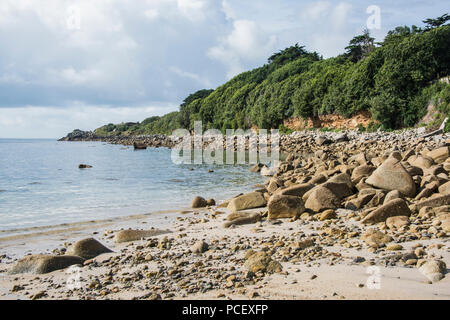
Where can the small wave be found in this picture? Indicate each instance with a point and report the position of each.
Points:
(111, 179)
(36, 182)
(2, 190)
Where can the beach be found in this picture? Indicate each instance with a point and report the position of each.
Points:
(126, 273)
(281, 241)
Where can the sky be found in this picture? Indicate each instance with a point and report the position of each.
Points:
(68, 65)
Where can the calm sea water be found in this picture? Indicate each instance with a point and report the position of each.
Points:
(40, 183)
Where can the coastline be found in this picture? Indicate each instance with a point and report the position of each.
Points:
(319, 257)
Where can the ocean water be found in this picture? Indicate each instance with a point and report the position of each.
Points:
(41, 185)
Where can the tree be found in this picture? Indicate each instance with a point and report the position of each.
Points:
(290, 54)
(437, 22)
(360, 46)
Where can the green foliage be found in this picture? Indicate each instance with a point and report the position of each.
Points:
(360, 46)
(394, 80)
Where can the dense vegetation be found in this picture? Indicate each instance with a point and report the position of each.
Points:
(395, 80)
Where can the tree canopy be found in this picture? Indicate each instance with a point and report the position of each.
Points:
(390, 79)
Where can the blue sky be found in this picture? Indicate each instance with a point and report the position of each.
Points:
(80, 64)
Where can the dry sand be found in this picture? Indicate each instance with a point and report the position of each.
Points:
(322, 278)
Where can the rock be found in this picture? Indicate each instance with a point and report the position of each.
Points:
(139, 146)
(281, 206)
(303, 244)
(134, 235)
(297, 190)
(199, 202)
(394, 247)
(210, 202)
(322, 141)
(392, 175)
(39, 264)
(375, 238)
(87, 249)
(340, 185)
(272, 187)
(392, 195)
(397, 222)
(434, 270)
(328, 214)
(439, 155)
(434, 202)
(322, 198)
(84, 166)
(361, 172)
(397, 207)
(199, 247)
(247, 201)
(422, 162)
(445, 188)
(268, 172)
(256, 168)
(244, 218)
(261, 261)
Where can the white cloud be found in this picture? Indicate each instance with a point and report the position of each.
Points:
(190, 75)
(315, 10)
(53, 122)
(246, 42)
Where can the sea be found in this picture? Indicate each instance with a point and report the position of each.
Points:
(41, 184)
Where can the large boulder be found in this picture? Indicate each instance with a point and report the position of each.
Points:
(247, 201)
(134, 235)
(281, 206)
(392, 175)
(396, 207)
(87, 249)
(322, 198)
(341, 185)
(297, 190)
(420, 161)
(438, 201)
(361, 172)
(39, 263)
(439, 155)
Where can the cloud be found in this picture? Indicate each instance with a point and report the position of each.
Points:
(53, 122)
(316, 10)
(246, 42)
(128, 54)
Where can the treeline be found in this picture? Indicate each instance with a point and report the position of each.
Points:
(395, 80)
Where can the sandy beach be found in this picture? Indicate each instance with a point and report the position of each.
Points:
(219, 273)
